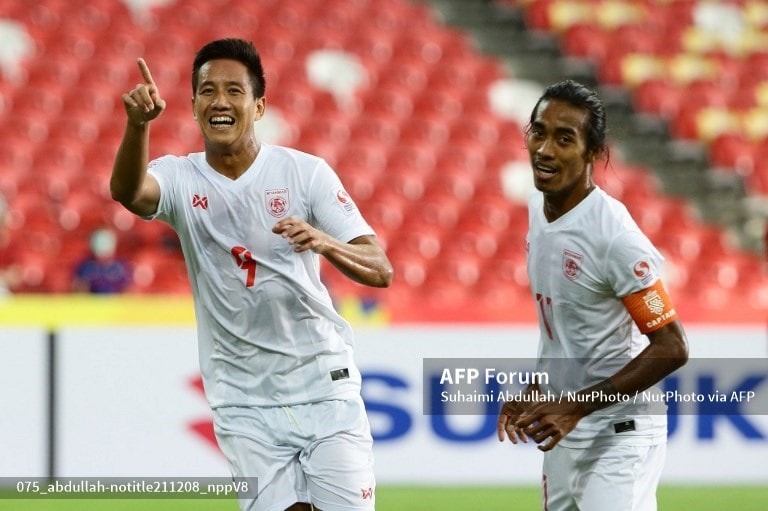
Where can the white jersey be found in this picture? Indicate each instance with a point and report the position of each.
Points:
(580, 266)
(268, 333)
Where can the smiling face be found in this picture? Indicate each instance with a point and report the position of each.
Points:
(225, 106)
(557, 146)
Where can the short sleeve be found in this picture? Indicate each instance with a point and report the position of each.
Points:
(333, 210)
(632, 263)
(164, 170)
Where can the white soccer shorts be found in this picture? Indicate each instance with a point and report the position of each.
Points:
(317, 452)
(602, 478)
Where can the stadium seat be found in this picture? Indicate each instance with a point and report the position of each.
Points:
(475, 238)
(385, 210)
(657, 96)
(81, 209)
(408, 74)
(413, 158)
(734, 151)
(380, 128)
(585, 40)
(427, 131)
(451, 181)
(331, 128)
(374, 47)
(361, 166)
(459, 268)
(478, 128)
(757, 181)
(439, 208)
(410, 269)
(440, 104)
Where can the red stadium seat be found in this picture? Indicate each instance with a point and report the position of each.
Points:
(440, 104)
(468, 157)
(658, 96)
(734, 151)
(477, 239)
(380, 128)
(407, 74)
(395, 101)
(81, 209)
(757, 180)
(363, 157)
(585, 40)
(386, 210)
(410, 269)
(374, 46)
(429, 131)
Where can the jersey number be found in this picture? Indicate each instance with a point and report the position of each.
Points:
(545, 306)
(244, 259)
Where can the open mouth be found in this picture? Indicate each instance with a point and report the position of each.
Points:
(543, 169)
(221, 121)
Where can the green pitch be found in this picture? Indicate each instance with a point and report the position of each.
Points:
(389, 498)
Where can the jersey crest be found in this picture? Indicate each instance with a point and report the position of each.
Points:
(277, 202)
(572, 264)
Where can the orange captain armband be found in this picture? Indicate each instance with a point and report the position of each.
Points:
(651, 308)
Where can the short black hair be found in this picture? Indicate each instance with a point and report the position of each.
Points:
(232, 49)
(579, 95)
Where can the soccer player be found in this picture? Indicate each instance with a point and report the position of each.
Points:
(608, 328)
(253, 219)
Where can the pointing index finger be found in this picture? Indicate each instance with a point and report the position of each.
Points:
(144, 68)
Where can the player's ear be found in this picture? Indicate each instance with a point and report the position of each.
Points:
(260, 107)
(592, 155)
(194, 113)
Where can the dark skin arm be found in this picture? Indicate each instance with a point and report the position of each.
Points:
(548, 423)
(130, 184)
(362, 259)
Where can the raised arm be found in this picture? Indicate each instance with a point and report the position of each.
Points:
(362, 259)
(130, 184)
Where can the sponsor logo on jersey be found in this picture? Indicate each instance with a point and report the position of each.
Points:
(642, 270)
(572, 264)
(367, 493)
(345, 200)
(199, 201)
(277, 202)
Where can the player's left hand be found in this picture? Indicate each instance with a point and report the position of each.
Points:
(505, 425)
(301, 235)
(548, 423)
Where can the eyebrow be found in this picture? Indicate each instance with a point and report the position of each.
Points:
(228, 84)
(558, 129)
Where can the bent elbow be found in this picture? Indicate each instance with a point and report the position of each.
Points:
(682, 355)
(679, 353)
(119, 194)
(386, 276)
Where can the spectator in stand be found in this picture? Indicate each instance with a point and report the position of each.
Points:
(101, 272)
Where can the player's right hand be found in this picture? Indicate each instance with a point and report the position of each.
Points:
(143, 103)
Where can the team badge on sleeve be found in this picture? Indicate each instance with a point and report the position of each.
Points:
(642, 270)
(277, 202)
(345, 201)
